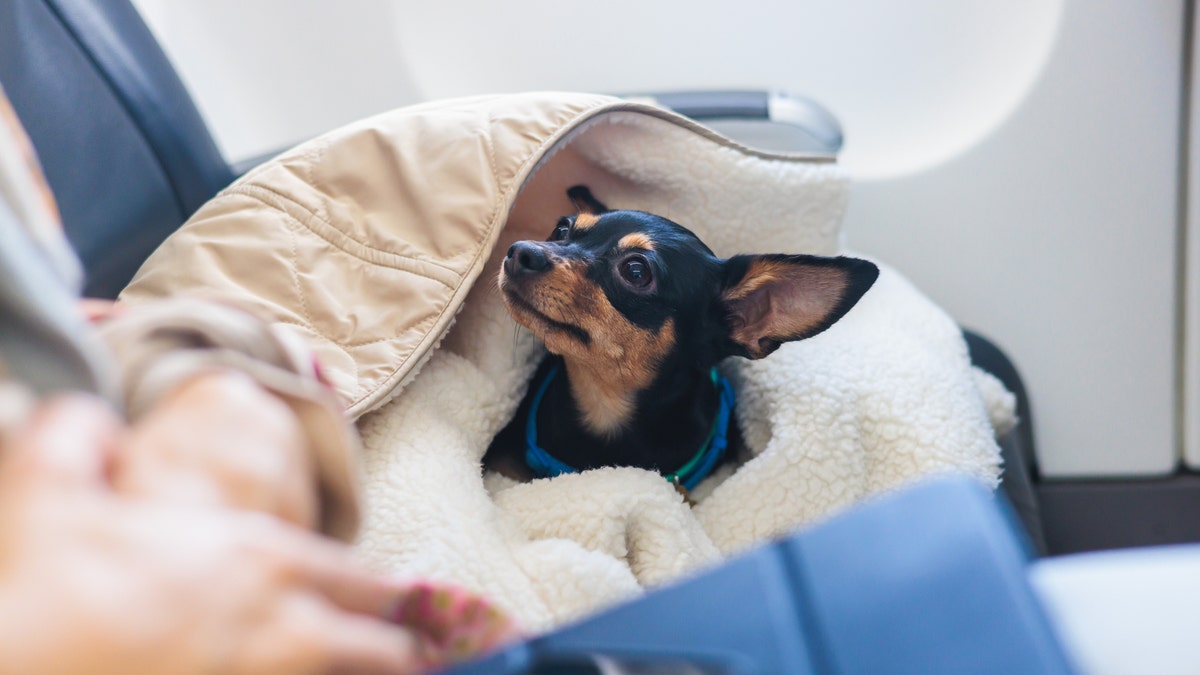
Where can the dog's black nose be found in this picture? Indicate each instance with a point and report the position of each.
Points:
(526, 256)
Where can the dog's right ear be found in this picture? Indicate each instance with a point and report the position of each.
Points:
(584, 202)
(772, 299)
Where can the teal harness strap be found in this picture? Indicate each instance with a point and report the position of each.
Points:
(545, 465)
(542, 463)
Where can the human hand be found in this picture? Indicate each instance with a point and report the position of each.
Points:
(230, 410)
(92, 581)
(219, 439)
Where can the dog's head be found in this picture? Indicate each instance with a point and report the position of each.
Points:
(634, 291)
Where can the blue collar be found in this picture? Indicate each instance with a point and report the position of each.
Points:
(545, 465)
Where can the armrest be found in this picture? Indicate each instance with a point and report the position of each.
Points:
(1017, 446)
(801, 124)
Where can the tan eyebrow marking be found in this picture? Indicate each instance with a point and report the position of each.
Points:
(636, 240)
(585, 220)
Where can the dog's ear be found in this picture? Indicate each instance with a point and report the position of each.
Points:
(584, 202)
(772, 299)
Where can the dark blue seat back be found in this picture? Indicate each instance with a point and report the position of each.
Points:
(928, 581)
(125, 150)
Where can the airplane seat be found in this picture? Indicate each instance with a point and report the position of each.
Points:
(124, 148)
(1017, 446)
(130, 158)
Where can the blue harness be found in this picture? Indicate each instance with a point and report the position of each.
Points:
(545, 465)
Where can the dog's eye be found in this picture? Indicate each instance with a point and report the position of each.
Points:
(636, 271)
(561, 230)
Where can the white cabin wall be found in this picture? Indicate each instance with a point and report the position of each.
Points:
(267, 74)
(1055, 235)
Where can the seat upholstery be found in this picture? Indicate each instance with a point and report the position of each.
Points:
(121, 142)
(928, 580)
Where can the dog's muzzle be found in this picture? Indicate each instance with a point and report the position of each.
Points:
(526, 258)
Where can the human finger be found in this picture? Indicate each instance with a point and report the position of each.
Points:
(220, 439)
(452, 622)
(361, 645)
(329, 568)
(449, 620)
(71, 439)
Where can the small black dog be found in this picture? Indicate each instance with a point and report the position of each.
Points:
(636, 312)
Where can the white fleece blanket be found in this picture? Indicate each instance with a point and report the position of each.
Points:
(884, 398)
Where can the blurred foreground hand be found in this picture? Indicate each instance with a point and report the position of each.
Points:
(94, 581)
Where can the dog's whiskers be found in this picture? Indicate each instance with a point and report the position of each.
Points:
(516, 329)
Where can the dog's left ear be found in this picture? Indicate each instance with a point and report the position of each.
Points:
(772, 299)
(583, 200)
